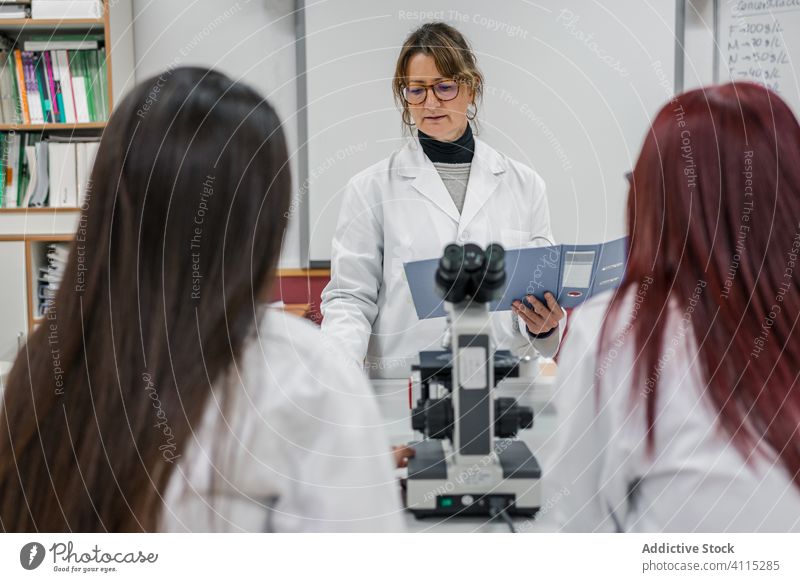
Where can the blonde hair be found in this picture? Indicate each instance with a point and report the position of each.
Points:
(453, 57)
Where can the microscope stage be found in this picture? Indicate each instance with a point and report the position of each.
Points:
(436, 486)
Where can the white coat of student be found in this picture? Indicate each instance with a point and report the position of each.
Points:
(444, 187)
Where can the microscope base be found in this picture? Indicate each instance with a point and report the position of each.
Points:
(436, 486)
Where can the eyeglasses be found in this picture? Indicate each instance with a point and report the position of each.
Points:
(443, 90)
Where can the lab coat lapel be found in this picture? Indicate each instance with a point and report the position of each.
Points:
(484, 177)
(415, 164)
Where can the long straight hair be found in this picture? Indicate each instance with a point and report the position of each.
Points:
(714, 223)
(176, 245)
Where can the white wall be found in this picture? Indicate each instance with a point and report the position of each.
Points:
(249, 40)
(551, 101)
(699, 43)
(123, 74)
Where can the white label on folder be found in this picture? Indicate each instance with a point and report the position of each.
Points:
(578, 269)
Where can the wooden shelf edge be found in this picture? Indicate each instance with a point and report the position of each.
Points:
(39, 237)
(39, 210)
(55, 22)
(52, 126)
(304, 273)
(298, 309)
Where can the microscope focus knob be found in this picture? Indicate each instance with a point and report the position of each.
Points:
(510, 417)
(418, 418)
(525, 417)
(434, 418)
(440, 418)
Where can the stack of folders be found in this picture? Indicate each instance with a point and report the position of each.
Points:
(15, 10)
(54, 79)
(51, 274)
(53, 172)
(67, 8)
(69, 167)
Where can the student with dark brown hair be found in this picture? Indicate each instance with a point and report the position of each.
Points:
(160, 393)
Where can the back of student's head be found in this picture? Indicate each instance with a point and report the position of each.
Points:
(714, 224)
(176, 245)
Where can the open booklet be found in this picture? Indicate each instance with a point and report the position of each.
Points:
(573, 273)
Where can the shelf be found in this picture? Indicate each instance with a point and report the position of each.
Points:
(52, 126)
(298, 309)
(38, 209)
(56, 237)
(35, 227)
(304, 273)
(49, 23)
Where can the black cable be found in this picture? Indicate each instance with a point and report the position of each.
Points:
(496, 510)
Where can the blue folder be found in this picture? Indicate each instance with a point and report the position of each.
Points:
(573, 273)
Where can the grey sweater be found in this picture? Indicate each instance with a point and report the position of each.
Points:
(455, 178)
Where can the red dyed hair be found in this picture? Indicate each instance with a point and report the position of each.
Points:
(714, 204)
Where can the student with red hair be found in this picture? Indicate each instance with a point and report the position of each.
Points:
(678, 396)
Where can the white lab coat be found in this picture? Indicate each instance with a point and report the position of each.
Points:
(302, 448)
(696, 480)
(399, 210)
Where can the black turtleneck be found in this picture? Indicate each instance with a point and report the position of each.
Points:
(459, 151)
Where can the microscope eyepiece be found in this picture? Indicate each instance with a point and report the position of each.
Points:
(452, 258)
(495, 259)
(451, 278)
(473, 258)
(493, 275)
(470, 272)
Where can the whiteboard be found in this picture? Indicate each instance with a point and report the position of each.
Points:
(571, 86)
(762, 44)
(252, 42)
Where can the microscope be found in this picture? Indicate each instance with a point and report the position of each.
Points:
(469, 463)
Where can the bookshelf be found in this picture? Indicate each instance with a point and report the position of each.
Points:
(17, 30)
(25, 232)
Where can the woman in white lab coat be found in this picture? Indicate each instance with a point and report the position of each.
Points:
(168, 396)
(443, 186)
(677, 399)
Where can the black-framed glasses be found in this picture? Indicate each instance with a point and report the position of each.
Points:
(444, 91)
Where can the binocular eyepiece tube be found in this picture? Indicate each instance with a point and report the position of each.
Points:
(471, 273)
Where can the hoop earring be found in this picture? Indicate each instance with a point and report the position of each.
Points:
(406, 117)
(474, 112)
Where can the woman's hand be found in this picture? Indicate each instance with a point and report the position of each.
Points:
(402, 454)
(542, 318)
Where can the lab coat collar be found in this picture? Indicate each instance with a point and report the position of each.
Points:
(485, 175)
